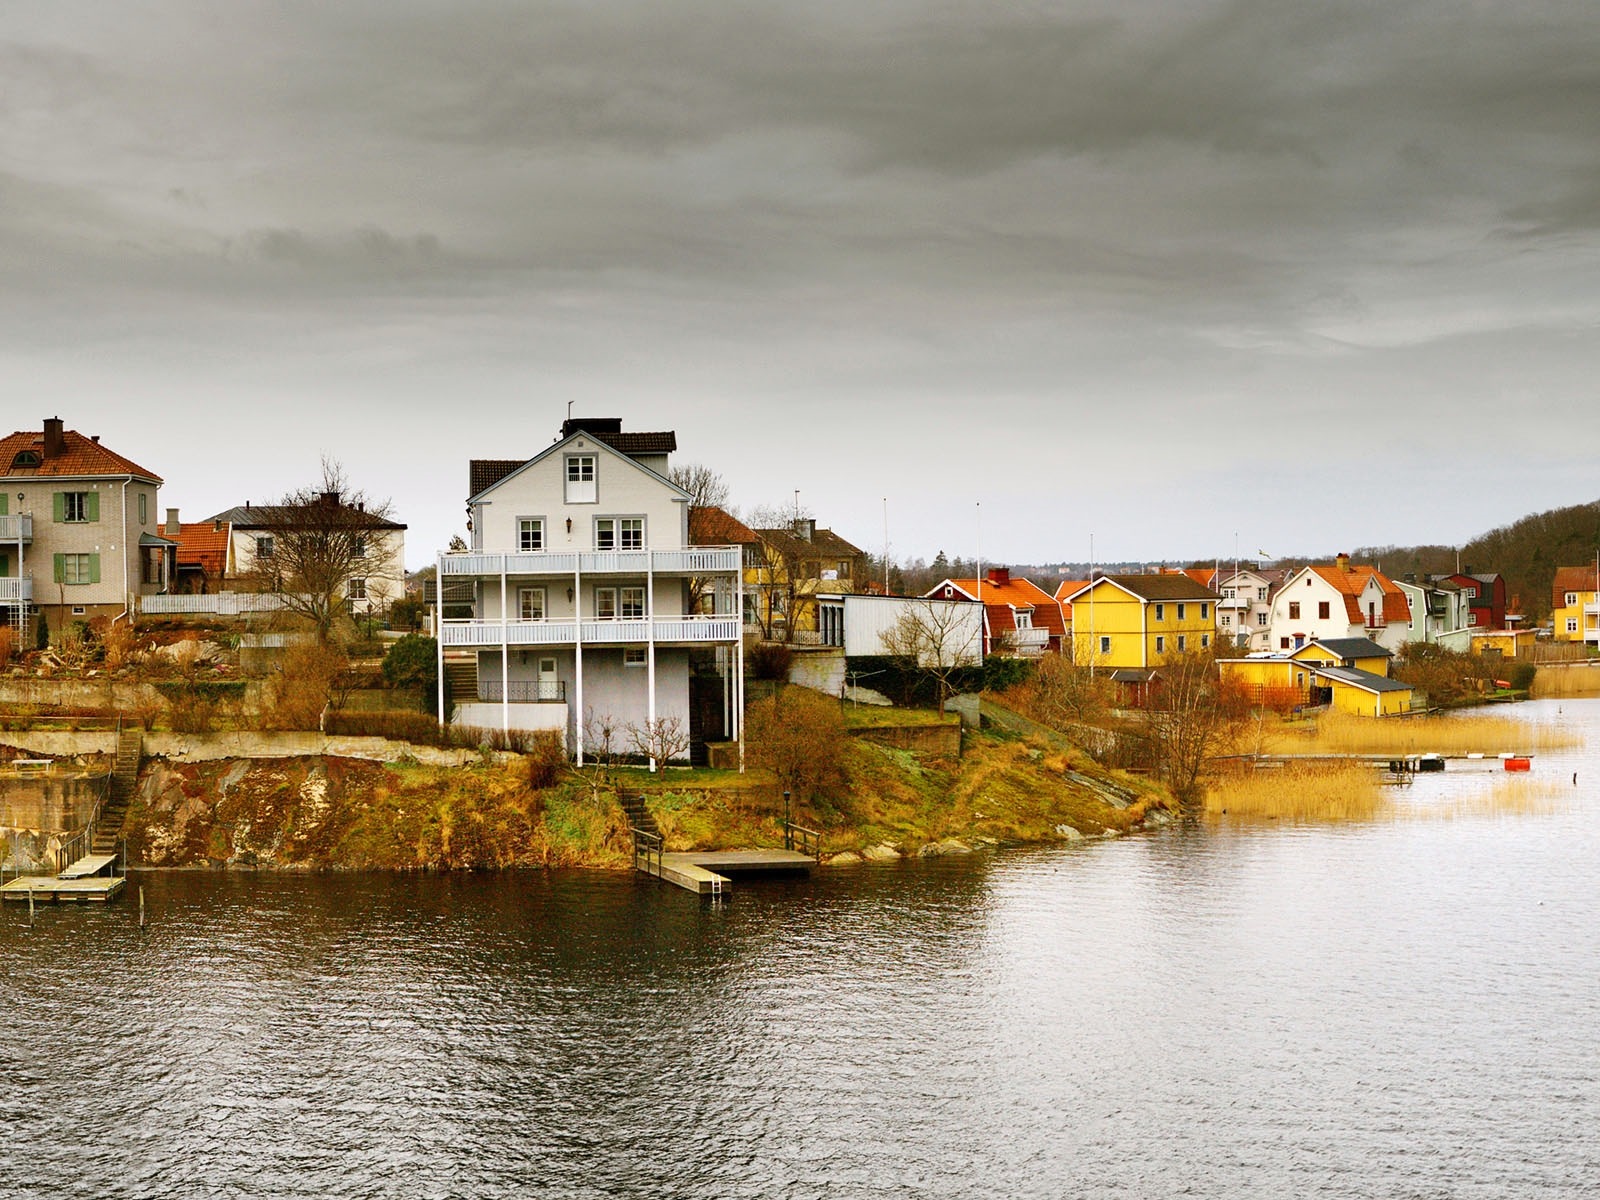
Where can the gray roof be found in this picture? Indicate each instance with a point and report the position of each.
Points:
(1357, 647)
(264, 516)
(1365, 680)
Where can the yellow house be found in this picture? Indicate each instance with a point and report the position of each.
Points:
(1506, 643)
(1575, 604)
(1284, 682)
(785, 570)
(1363, 654)
(1362, 693)
(1268, 681)
(1140, 620)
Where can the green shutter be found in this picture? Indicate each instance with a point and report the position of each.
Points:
(91, 506)
(94, 567)
(5, 565)
(60, 499)
(5, 499)
(61, 567)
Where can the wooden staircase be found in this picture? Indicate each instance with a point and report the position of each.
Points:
(638, 815)
(461, 678)
(124, 779)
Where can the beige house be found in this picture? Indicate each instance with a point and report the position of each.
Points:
(378, 579)
(79, 530)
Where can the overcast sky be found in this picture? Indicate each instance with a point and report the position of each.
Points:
(1310, 276)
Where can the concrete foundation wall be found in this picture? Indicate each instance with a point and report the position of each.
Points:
(58, 802)
(209, 747)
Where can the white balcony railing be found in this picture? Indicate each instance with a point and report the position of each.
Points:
(693, 560)
(15, 589)
(674, 630)
(1026, 641)
(16, 528)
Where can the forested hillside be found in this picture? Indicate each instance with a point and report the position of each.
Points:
(1526, 552)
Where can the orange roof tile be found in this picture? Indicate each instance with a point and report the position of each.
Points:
(203, 544)
(1572, 579)
(80, 457)
(1018, 593)
(712, 526)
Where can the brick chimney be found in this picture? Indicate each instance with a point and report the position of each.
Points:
(172, 529)
(1000, 576)
(55, 442)
(1342, 561)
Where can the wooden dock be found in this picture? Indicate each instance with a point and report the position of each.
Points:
(88, 889)
(83, 882)
(706, 872)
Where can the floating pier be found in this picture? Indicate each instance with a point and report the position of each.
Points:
(705, 872)
(81, 883)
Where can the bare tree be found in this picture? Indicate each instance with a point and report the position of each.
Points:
(322, 538)
(1065, 693)
(782, 570)
(661, 740)
(602, 733)
(1192, 717)
(706, 488)
(938, 638)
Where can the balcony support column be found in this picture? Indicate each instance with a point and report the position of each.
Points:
(738, 662)
(505, 657)
(577, 652)
(438, 634)
(650, 655)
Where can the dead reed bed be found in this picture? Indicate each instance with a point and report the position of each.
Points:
(1507, 798)
(1342, 733)
(1299, 792)
(1557, 681)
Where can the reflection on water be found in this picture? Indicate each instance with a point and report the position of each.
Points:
(1396, 1009)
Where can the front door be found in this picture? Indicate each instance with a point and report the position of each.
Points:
(549, 689)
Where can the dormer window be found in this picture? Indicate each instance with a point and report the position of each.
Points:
(25, 459)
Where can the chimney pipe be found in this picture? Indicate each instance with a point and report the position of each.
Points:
(172, 529)
(55, 441)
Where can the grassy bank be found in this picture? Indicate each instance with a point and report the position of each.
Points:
(330, 813)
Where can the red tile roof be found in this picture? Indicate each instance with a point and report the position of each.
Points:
(1572, 579)
(203, 544)
(1350, 583)
(711, 526)
(1015, 593)
(80, 457)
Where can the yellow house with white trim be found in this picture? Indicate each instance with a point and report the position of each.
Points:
(1363, 654)
(1140, 620)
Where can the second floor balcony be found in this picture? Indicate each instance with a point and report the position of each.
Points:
(16, 528)
(634, 631)
(14, 590)
(688, 561)
(1027, 642)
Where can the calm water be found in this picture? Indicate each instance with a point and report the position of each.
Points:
(1405, 1009)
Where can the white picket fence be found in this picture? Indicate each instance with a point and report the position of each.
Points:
(218, 604)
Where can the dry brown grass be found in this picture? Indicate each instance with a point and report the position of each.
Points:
(1341, 733)
(1557, 681)
(1299, 792)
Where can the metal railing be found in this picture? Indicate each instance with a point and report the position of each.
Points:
(74, 848)
(646, 846)
(524, 691)
(806, 841)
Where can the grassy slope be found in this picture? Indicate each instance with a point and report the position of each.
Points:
(346, 814)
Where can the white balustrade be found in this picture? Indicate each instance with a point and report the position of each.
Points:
(698, 560)
(16, 528)
(628, 631)
(16, 589)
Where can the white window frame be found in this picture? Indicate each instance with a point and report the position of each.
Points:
(581, 473)
(1161, 612)
(1263, 619)
(1205, 610)
(630, 603)
(605, 598)
(1205, 641)
(1161, 643)
(76, 565)
(525, 609)
(1183, 612)
(1105, 644)
(633, 656)
(1572, 624)
(1183, 643)
(358, 547)
(356, 588)
(1023, 618)
(530, 535)
(74, 508)
(1572, 598)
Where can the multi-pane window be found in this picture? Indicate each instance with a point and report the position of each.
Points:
(1182, 611)
(1261, 593)
(1572, 624)
(1161, 644)
(75, 506)
(264, 547)
(357, 589)
(1024, 618)
(1322, 610)
(76, 568)
(580, 479)
(1205, 641)
(1205, 611)
(619, 533)
(530, 534)
(633, 656)
(530, 604)
(1572, 598)
(605, 603)
(632, 603)
(1183, 643)
(1261, 618)
(1161, 612)
(1227, 620)
(358, 548)
(1294, 610)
